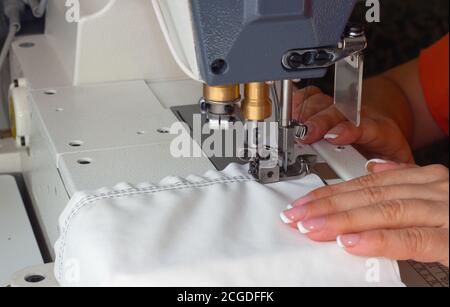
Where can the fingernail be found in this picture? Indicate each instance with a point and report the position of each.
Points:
(334, 133)
(370, 164)
(348, 241)
(286, 219)
(338, 130)
(311, 225)
(330, 136)
(289, 207)
(302, 201)
(294, 214)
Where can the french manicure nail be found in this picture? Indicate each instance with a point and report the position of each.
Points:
(374, 161)
(302, 228)
(334, 133)
(311, 225)
(286, 219)
(330, 136)
(289, 207)
(348, 241)
(294, 214)
(339, 129)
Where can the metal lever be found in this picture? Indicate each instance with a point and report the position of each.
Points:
(348, 87)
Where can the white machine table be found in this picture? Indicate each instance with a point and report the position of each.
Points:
(18, 246)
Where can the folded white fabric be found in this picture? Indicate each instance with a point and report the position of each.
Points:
(222, 229)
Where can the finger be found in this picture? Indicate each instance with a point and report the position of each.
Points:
(347, 133)
(371, 134)
(394, 214)
(299, 102)
(420, 244)
(413, 175)
(344, 133)
(374, 139)
(301, 95)
(310, 106)
(320, 123)
(379, 165)
(342, 202)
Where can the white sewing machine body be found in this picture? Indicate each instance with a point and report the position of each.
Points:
(99, 89)
(98, 98)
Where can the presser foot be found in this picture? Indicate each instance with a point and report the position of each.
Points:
(268, 167)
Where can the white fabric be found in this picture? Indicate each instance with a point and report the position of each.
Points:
(222, 229)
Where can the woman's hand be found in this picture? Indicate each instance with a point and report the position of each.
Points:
(378, 135)
(399, 212)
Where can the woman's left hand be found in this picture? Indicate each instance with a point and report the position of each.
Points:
(399, 212)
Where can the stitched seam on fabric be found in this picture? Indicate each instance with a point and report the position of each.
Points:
(89, 200)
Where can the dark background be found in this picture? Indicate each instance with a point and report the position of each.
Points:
(406, 27)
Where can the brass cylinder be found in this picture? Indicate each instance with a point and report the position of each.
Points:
(257, 105)
(222, 93)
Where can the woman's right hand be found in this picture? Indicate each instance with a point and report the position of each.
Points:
(378, 136)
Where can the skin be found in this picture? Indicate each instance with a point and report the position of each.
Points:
(393, 104)
(400, 211)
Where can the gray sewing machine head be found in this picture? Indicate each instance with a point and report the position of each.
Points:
(259, 42)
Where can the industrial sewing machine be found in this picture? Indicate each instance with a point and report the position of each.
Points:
(230, 47)
(93, 99)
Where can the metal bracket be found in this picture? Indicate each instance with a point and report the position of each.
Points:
(348, 87)
(348, 59)
(352, 43)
